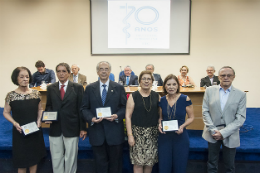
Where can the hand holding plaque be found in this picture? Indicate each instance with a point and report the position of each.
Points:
(48, 116)
(103, 112)
(171, 125)
(29, 128)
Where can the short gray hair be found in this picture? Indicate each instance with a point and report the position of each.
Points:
(226, 67)
(211, 66)
(75, 65)
(97, 68)
(149, 65)
(128, 66)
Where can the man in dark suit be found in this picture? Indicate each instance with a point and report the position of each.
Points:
(65, 97)
(208, 80)
(76, 77)
(127, 78)
(106, 135)
(157, 77)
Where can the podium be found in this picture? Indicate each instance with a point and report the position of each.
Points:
(195, 94)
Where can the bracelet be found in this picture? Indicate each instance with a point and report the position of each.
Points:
(129, 134)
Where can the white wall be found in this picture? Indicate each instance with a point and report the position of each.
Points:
(223, 32)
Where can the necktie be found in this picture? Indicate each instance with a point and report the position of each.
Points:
(62, 92)
(127, 80)
(104, 94)
(75, 79)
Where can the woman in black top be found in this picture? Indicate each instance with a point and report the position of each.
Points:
(141, 123)
(26, 107)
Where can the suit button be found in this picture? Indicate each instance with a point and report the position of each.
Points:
(221, 117)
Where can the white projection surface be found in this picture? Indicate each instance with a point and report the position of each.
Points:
(141, 27)
(138, 24)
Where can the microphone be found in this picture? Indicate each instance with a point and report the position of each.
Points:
(120, 68)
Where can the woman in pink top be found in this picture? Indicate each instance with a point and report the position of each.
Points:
(184, 79)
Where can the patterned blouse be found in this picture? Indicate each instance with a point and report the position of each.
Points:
(12, 96)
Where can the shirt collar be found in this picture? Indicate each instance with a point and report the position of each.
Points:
(75, 75)
(212, 76)
(66, 83)
(229, 89)
(46, 70)
(107, 83)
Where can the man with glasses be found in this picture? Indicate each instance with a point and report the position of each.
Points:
(210, 79)
(157, 77)
(128, 78)
(106, 133)
(77, 77)
(224, 112)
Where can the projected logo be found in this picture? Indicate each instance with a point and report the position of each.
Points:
(139, 25)
(137, 13)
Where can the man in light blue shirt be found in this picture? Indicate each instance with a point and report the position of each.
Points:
(224, 112)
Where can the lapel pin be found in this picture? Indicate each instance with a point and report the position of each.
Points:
(111, 90)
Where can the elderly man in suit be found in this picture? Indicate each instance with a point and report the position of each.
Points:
(65, 97)
(210, 79)
(106, 135)
(76, 77)
(157, 77)
(127, 78)
(224, 112)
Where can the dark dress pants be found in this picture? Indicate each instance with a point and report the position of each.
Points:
(213, 157)
(108, 158)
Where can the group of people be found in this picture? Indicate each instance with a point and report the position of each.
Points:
(224, 111)
(126, 77)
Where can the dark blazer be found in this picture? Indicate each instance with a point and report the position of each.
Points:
(82, 79)
(70, 121)
(112, 132)
(157, 77)
(133, 79)
(206, 81)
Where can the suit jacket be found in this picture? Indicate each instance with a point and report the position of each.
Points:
(157, 77)
(82, 79)
(233, 115)
(69, 121)
(206, 81)
(133, 79)
(112, 132)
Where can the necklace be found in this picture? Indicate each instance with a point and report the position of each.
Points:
(171, 111)
(150, 102)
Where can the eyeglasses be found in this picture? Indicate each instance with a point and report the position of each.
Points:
(226, 75)
(147, 79)
(104, 69)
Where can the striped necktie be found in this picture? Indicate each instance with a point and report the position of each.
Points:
(104, 94)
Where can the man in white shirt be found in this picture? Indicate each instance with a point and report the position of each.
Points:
(210, 78)
(65, 97)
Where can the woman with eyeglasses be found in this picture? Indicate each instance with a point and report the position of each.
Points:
(142, 125)
(173, 146)
(25, 105)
